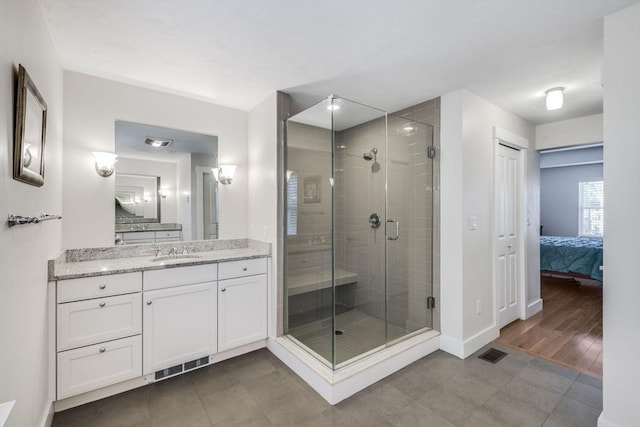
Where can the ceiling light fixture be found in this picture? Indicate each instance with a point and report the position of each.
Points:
(158, 142)
(333, 107)
(554, 98)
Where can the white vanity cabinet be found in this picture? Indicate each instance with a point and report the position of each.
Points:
(242, 303)
(121, 330)
(98, 339)
(179, 316)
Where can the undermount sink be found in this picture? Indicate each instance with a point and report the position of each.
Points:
(171, 257)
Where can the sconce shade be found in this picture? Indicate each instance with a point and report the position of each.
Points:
(225, 173)
(163, 193)
(555, 98)
(105, 163)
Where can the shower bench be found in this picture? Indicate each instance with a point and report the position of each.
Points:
(301, 283)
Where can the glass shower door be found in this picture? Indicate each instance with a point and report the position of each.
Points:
(360, 138)
(409, 223)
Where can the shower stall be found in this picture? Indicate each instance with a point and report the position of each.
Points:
(358, 230)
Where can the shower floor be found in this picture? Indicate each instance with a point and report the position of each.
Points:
(360, 334)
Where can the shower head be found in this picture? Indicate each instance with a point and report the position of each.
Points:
(371, 155)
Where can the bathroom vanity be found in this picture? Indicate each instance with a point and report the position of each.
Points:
(131, 315)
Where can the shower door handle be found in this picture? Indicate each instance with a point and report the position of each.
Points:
(397, 236)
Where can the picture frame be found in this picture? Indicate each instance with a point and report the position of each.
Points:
(312, 189)
(30, 131)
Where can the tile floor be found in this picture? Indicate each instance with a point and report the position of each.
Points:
(439, 390)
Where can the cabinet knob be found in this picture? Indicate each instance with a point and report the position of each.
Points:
(102, 349)
(244, 268)
(102, 304)
(103, 286)
(223, 289)
(149, 302)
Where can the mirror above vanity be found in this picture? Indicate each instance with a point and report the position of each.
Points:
(165, 189)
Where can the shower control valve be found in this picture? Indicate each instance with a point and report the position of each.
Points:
(374, 220)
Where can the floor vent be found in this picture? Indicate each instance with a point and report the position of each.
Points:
(492, 355)
(178, 369)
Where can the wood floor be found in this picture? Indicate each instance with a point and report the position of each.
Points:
(569, 328)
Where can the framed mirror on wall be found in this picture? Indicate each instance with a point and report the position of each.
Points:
(165, 181)
(30, 132)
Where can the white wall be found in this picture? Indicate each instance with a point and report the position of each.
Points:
(583, 130)
(560, 198)
(92, 105)
(467, 186)
(263, 187)
(24, 250)
(167, 173)
(621, 292)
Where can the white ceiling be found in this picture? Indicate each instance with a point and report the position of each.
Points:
(388, 54)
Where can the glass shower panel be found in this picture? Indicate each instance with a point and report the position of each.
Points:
(308, 275)
(359, 230)
(409, 226)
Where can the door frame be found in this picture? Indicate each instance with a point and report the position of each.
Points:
(521, 144)
(200, 171)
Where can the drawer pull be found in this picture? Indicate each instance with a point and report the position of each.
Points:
(102, 304)
(244, 268)
(103, 286)
(102, 349)
(149, 302)
(223, 289)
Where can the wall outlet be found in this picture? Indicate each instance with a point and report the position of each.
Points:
(479, 306)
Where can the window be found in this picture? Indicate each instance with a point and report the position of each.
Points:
(292, 203)
(591, 221)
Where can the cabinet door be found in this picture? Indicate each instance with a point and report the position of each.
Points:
(179, 325)
(242, 311)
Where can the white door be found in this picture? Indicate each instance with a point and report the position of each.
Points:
(508, 165)
(179, 325)
(242, 311)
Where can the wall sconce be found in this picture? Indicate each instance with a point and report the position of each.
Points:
(225, 173)
(105, 163)
(554, 98)
(163, 193)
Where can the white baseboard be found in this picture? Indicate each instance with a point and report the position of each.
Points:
(534, 307)
(604, 423)
(335, 386)
(464, 349)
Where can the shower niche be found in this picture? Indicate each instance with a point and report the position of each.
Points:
(358, 230)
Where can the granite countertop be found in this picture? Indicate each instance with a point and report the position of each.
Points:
(77, 263)
(151, 226)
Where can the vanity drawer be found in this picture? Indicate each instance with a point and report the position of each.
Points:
(96, 366)
(96, 320)
(137, 236)
(247, 267)
(98, 286)
(180, 276)
(173, 234)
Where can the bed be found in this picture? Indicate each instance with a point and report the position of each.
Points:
(580, 255)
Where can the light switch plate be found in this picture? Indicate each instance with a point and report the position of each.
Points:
(472, 222)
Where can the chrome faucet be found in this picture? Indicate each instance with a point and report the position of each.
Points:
(173, 251)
